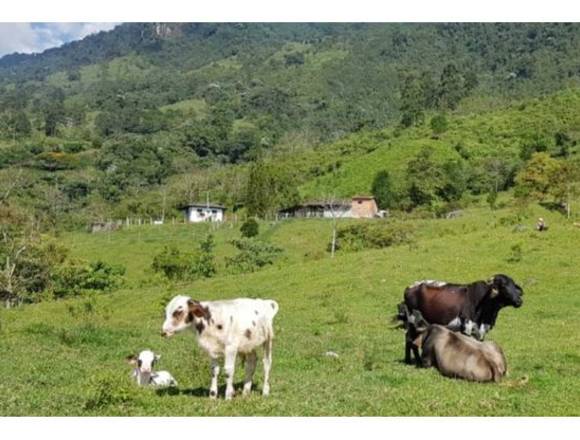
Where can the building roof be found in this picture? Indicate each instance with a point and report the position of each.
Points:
(319, 204)
(203, 205)
(363, 198)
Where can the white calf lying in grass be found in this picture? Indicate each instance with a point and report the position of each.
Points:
(227, 328)
(144, 373)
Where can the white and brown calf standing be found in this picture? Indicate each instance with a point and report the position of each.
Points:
(226, 328)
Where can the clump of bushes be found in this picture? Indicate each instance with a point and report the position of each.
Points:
(76, 278)
(253, 255)
(38, 269)
(439, 124)
(177, 265)
(173, 263)
(250, 228)
(374, 235)
(55, 161)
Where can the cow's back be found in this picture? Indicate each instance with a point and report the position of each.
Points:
(457, 355)
(439, 303)
(243, 322)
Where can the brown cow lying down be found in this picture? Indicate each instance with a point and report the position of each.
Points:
(457, 355)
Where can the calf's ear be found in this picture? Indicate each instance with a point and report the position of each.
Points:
(132, 359)
(196, 308)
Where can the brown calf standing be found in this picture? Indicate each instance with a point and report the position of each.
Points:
(458, 355)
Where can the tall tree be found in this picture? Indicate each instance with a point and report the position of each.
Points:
(382, 190)
(535, 180)
(565, 184)
(259, 190)
(269, 187)
(21, 124)
(451, 87)
(53, 111)
(412, 101)
(423, 178)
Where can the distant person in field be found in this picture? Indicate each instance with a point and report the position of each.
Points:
(541, 225)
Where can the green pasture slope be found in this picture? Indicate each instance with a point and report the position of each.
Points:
(67, 357)
(498, 132)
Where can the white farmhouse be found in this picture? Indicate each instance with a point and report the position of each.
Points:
(203, 212)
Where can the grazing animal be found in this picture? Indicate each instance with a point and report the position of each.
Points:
(144, 373)
(227, 328)
(541, 225)
(470, 308)
(457, 355)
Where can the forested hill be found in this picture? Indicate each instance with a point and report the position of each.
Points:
(102, 127)
(328, 79)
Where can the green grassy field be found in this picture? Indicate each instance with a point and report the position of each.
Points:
(67, 357)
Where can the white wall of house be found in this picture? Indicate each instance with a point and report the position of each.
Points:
(196, 214)
(339, 212)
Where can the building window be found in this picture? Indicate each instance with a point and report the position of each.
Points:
(214, 211)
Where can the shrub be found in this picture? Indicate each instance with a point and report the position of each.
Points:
(178, 265)
(491, 199)
(74, 147)
(173, 263)
(253, 255)
(74, 278)
(250, 228)
(361, 236)
(55, 161)
(439, 124)
(204, 264)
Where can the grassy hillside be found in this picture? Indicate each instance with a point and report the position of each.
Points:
(498, 133)
(67, 357)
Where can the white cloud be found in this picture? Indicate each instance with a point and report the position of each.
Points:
(36, 37)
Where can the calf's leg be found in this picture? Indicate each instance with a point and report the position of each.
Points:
(215, 371)
(229, 367)
(267, 361)
(250, 369)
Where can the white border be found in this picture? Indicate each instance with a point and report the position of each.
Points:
(290, 10)
(287, 11)
(275, 428)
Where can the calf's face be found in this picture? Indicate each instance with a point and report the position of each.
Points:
(176, 316)
(145, 361)
(180, 313)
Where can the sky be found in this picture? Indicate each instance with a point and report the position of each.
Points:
(36, 37)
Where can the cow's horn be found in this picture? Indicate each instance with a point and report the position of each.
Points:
(494, 290)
